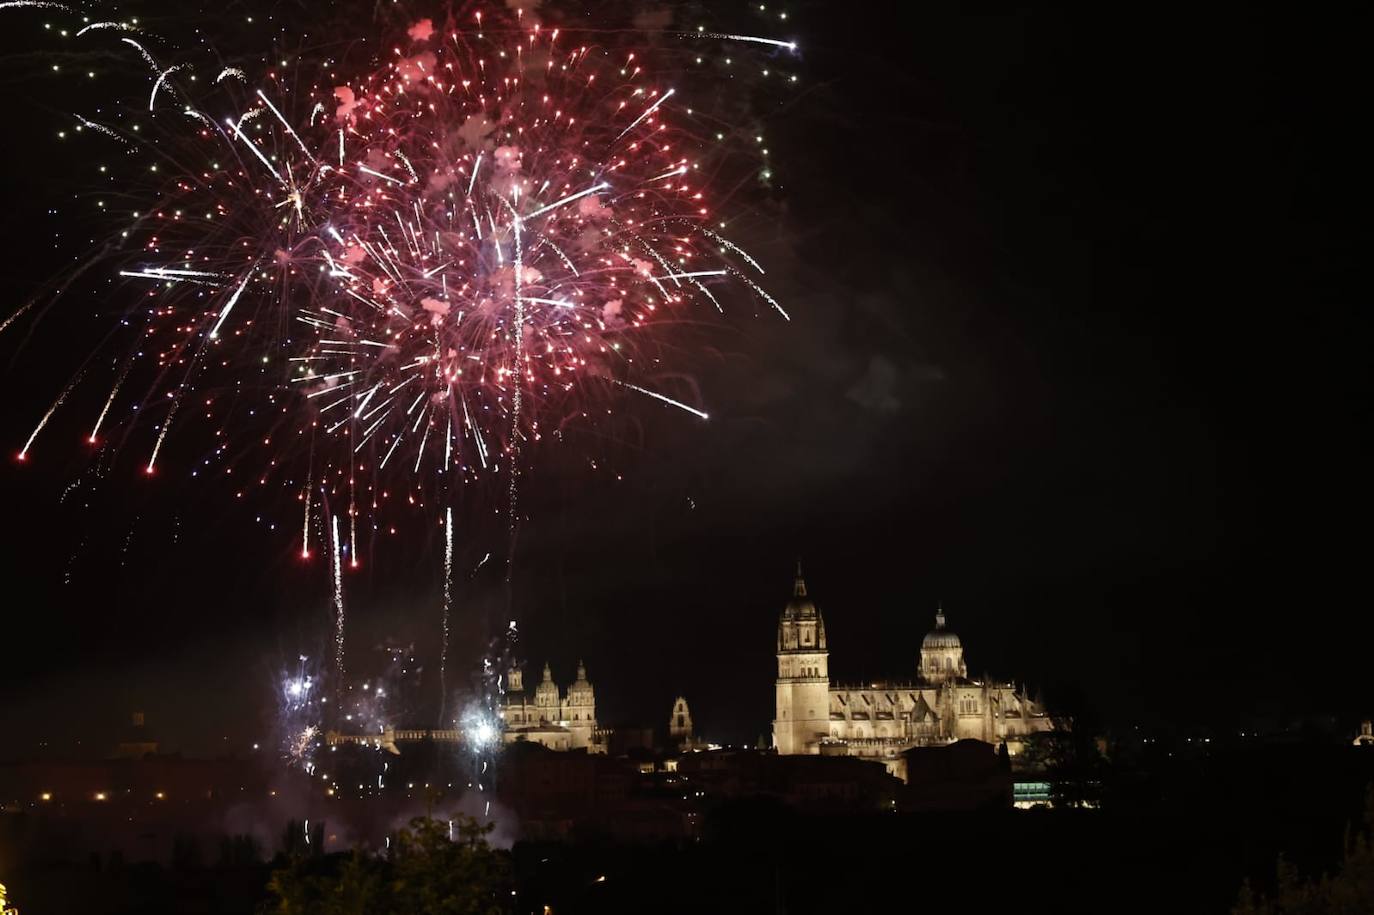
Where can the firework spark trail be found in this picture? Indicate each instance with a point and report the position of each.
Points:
(725, 36)
(118, 26)
(647, 111)
(171, 414)
(173, 275)
(352, 519)
(683, 276)
(24, 452)
(101, 128)
(287, 124)
(475, 166)
(448, 604)
(228, 306)
(148, 58)
(338, 610)
(162, 78)
(119, 382)
(734, 247)
(764, 295)
(254, 147)
(569, 199)
(305, 525)
(517, 379)
(35, 4)
(15, 317)
(663, 397)
(376, 174)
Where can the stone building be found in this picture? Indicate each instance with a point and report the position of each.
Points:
(549, 717)
(1366, 736)
(680, 723)
(881, 719)
(682, 736)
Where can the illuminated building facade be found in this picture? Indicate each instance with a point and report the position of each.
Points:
(549, 717)
(880, 720)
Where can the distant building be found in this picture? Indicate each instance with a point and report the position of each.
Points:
(680, 723)
(883, 719)
(137, 741)
(681, 735)
(547, 717)
(1366, 736)
(813, 784)
(964, 775)
(550, 718)
(389, 738)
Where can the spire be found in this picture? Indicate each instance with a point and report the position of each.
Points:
(548, 674)
(940, 615)
(799, 587)
(581, 670)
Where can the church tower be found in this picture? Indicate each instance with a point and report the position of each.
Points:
(547, 698)
(680, 724)
(803, 685)
(579, 710)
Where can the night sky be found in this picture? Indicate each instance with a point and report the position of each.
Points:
(1073, 351)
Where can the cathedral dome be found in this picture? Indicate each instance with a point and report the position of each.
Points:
(581, 692)
(546, 694)
(940, 637)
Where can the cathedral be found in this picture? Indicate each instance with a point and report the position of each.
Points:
(550, 718)
(880, 720)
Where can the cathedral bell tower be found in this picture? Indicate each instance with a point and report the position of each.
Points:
(803, 686)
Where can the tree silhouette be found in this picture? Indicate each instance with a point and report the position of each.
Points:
(424, 872)
(1348, 892)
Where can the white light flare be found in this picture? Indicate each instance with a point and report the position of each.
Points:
(663, 397)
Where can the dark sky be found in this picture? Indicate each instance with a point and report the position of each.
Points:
(1074, 351)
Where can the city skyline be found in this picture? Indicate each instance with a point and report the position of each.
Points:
(1003, 410)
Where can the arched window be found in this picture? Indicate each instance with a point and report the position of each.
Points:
(949, 663)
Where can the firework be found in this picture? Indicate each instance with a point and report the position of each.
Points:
(413, 268)
(422, 264)
(299, 715)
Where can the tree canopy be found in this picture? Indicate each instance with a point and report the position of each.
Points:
(430, 868)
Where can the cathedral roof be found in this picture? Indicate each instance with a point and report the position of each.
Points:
(800, 607)
(940, 637)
